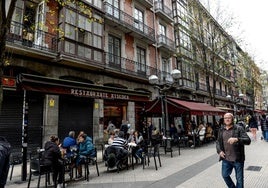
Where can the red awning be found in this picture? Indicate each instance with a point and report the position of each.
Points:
(176, 106)
(196, 108)
(155, 108)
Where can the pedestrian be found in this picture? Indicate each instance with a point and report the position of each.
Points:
(230, 147)
(253, 125)
(264, 125)
(5, 149)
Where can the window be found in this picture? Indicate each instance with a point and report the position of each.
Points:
(39, 24)
(141, 59)
(85, 34)
(162, 32)
(114, 48)
(166, 69)
(138, 19)
(17, 18)
(113, 8)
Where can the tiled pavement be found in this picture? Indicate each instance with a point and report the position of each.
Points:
(194, 168)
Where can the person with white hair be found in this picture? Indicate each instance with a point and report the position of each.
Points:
(230, 146)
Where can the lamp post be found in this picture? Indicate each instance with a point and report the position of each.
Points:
(163, 88)
(236, 100)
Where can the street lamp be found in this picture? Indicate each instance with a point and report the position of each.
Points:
(235, 100)
(163, 88)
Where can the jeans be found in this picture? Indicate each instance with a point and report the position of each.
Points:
(227, 168)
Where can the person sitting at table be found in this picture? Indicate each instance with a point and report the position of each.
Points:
(131, 136)
(53, 157)
(122, 147)
(69, 143)
(137, 151)
(201, 132)
(86, 148)
(111, 138)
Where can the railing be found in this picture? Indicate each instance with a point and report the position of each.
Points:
(163, 8)
(129, 21)
(128, 66)
(162, 39)
(36, 39)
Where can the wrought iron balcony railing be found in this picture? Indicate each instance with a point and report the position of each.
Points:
(128, 66)
(128, 22)
(35, 39)
(165, 11)
(166, 42)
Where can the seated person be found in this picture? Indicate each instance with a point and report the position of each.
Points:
(201, 132)
(111, 139)
(131, 136)
(137, 151)
(209, 132)
(111, 127)
(86, 148)
(52, 157)
(121, 145)
(69, 143)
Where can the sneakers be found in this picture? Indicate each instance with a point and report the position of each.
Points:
(60, 185)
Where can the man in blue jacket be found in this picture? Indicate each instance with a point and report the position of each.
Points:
(231, 150)
(69, 143)
(86, 148)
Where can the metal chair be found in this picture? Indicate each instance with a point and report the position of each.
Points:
(91, 160)
(37, 168)
(15, 158)
(151, 151)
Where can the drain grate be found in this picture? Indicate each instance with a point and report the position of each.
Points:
(254, 168)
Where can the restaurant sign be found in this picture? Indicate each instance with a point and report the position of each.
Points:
(98, 94)
(79, 89)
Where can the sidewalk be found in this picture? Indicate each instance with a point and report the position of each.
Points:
(194, 168)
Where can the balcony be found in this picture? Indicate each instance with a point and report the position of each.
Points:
(128, 24)
(36, 43)
(163, 12)
(165, 44)
(147, 3)
(128, 67)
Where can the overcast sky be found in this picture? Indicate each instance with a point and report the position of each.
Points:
(251, 25)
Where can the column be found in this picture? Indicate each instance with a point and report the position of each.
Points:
(51, 118)
(131, 114)
(98, 114)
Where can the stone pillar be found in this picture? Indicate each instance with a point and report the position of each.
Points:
(51, 112)
(98, 114)
(131, 114)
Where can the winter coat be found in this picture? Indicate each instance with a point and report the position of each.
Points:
(52, 153)
(86, 147)
(243, 139)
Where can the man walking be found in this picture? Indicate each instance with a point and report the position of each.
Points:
(230, 147)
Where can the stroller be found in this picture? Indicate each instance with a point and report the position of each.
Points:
(115, 158)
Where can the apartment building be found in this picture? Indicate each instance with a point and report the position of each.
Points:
(210, 60)
(70, 70)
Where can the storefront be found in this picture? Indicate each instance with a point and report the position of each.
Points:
(71, 105)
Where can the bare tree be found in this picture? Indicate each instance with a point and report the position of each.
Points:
(214, 48)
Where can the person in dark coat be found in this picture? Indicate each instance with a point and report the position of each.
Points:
(53, 158)
(5, 149)
(253, 125)
(230, 146)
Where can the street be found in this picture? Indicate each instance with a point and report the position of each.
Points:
(194, 168)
